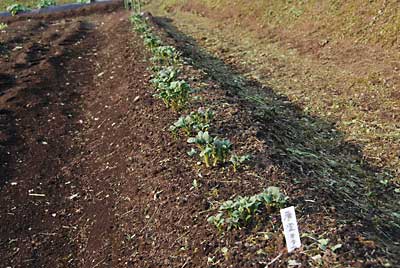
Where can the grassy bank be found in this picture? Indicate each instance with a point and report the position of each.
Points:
(311, 52)
(370, 22)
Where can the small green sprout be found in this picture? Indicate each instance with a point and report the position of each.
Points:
(138, 22)
(272, 197)
(212, 150)
(166, 55)
(175, 95)
(204, 115)
(149, 39)
(203, 140)
(192, 152)
(218, 221)
(195, 184)
(164, 77)
(237, 160)
(220, 150)
(17, 8)
(206, 154)
(3, 26)
(242, 210)
(46, 3)
(184, 123)
(194, 122)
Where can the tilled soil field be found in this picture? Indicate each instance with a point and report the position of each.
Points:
(90, 176)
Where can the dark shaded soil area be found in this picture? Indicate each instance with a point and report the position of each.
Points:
(37, 126)
(91, 177)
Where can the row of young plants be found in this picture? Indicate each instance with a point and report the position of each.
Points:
(176, 94)
(213, 151)
(17, 8)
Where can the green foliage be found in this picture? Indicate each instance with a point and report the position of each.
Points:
(141, 27)
(241, 211)
(165, 55)
(136, 20)
(174, 94)
(150, 40)
(212, 150)
(16, 9)
(220, 150)
(46, 3)
(165, 76)
(3, 26)
(194, 122)
(237, 160)
(83, 1)
(204, 142)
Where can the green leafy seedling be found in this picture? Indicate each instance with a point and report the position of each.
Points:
(220, 150)
(192, 152)
(166, 55)
(3, 26)
(175, 95)
(15, 9)
(240, 211)
(164, 77)
(213, 151)
(184, 123)
(46, 3)
(150, 40)
(237, 160)
(218, 221)
(272, 197)
(203, 140)
(137, 21)
(194, 122)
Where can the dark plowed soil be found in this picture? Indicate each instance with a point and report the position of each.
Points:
(47, 72)
(91, 177)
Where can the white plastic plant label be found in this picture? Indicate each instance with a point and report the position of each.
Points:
(290, 228)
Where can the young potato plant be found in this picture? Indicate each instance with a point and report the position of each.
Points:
(241, 211)
(139, 24)
(16, 9)
(203, 141)
(3, 26)
(46, 3)
(175, 95)
(213, 151)
(166, 55)
(202, 117)
(136, 19)
(237, 160)
(151, 41)
(184, 123)
(221, 150)
(194, 122)
(165, 76)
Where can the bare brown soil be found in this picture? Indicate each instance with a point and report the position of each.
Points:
(91, 177)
